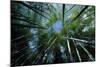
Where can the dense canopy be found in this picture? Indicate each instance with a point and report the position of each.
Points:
(48, 33)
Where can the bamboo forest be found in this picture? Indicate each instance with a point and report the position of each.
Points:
(51, 33)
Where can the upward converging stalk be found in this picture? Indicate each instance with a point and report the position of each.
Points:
(78, 54)
(80, 13)
(88, 53)
(63, 11)
(69, 49)
(30, 7)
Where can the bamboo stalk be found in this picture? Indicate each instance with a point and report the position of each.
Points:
(76, 39)
(80, 13)
(88, 53)
(30, 7)
(78, 54)
(69, 49)
(27, 26)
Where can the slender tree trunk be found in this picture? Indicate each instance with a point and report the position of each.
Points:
(80, 13)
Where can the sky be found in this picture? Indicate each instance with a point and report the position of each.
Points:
(57, 26)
